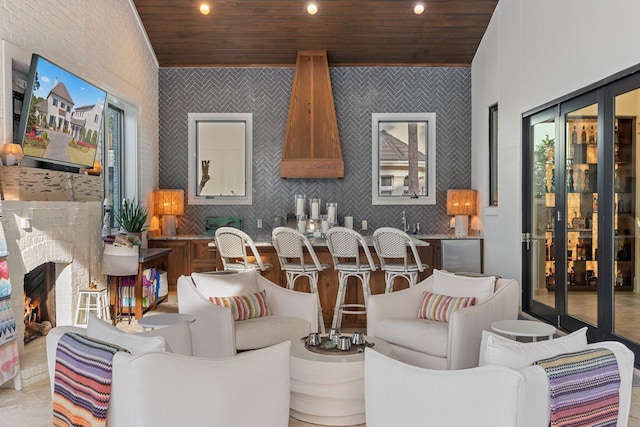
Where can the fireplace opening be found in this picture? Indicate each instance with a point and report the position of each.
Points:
(39, 301)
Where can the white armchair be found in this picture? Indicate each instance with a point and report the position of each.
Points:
(493, 396)
(433, 344)
(398, 394)
(158, 389)
(216, 334)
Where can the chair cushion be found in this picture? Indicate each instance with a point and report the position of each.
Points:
(498, 350)
(134, 343)
(445, 283)
(266, 331)
(424, 336)
(177, 337)
(245, 307)
(439, 307)
(226, 285)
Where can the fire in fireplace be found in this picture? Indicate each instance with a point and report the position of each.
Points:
(39, 301)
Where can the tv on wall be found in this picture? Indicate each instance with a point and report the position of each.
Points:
(61, 121)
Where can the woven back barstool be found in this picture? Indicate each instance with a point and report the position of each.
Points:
(344, 245)
(290, 245)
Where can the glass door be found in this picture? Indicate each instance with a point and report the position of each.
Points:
(626, 245)
(541, 247)
(580, 230)
(581, 222)
(561, 214)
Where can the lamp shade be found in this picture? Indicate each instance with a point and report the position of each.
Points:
(168, 202)
(12, 154)
(462, 202)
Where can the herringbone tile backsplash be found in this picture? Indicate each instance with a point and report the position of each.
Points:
(358, 92)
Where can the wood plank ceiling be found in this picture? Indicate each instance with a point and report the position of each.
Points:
(271, 32)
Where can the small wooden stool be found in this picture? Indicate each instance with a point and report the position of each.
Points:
(92, 300)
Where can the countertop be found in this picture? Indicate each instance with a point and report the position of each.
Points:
(265, 239)
(419, 239)
(183, 237)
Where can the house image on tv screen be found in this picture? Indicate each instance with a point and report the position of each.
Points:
(65, 117)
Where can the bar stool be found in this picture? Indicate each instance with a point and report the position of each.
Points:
(119, 262)
(231, 244)
(92, 300)
(391, 244)
(344, 245)
(289, 245)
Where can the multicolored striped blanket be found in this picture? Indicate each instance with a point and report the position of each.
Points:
(82, 382)
(7, 322)
(583, 388)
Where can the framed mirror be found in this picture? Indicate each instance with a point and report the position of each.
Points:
(220, 158)
(403, 158)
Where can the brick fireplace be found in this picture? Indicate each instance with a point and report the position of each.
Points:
(51, 217)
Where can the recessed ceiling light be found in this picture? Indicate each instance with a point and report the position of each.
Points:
(312, 9)
(205, 9)
(418, 9)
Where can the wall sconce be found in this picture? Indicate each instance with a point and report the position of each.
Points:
(462, 203)
(168, 203)
(12, 154)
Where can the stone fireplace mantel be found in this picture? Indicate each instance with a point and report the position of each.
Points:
(34, 184)
(51, 216)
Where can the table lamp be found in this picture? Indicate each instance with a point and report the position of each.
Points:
(12, 154)
(462, 203)
(168, 203)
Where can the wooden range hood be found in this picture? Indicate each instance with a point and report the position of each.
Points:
(312, 144)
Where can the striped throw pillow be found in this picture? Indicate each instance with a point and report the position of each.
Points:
(245, 307)
(439, 307)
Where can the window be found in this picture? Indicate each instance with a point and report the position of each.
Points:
(404, 158)
(493, 155)
(120, 153)
(113, 154)
(220, 158)
(55, 102)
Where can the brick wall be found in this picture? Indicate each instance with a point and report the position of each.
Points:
(104, 43)
(65, 233)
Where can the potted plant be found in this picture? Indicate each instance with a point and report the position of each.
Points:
(132, 218)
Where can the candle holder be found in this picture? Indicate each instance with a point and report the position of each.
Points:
(332, 213)
(348, 222)
(300, 204)
(324, 224)
(302, 223)
(314, 208)
(315, 228)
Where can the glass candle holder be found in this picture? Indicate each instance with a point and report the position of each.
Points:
(302, 223)
(348, 222)
(300, 204)
(314, 208)
(332, 212)
(324, 224)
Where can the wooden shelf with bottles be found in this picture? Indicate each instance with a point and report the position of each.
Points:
(582, 207)
(624, 204)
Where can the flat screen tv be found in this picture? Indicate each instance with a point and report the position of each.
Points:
(61, 121)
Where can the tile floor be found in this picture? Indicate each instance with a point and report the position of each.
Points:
(32, 405)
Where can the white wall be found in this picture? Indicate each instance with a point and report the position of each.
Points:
(102, 42)
(534, 52)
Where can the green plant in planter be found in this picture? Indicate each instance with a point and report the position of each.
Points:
(132, 217)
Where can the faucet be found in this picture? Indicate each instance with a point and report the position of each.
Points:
(405, 226)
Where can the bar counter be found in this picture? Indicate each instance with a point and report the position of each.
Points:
(328, 279)
(198, 253)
